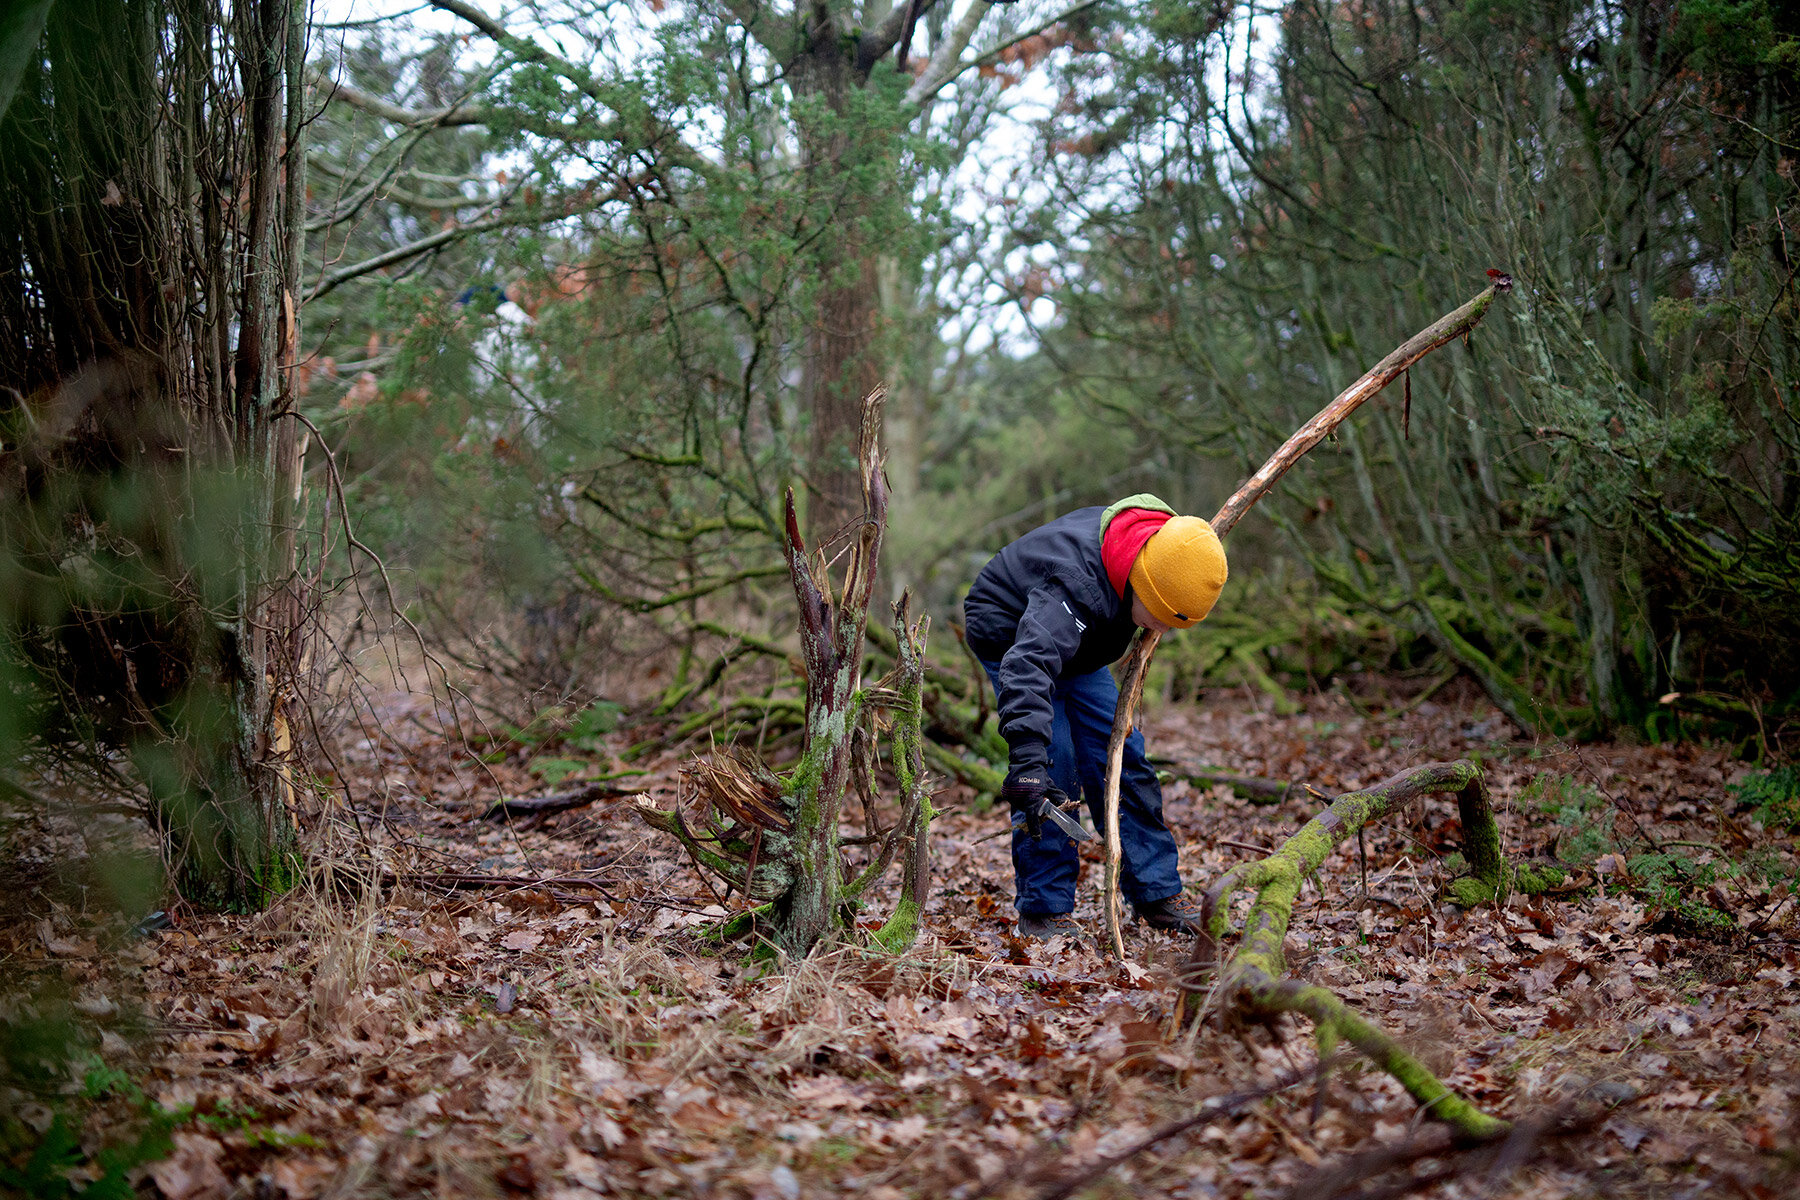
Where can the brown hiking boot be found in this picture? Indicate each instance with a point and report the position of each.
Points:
(1178, 913)
(1044, 926)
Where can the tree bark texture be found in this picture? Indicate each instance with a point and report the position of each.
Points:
(842, 362)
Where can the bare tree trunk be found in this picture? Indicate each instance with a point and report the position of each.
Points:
(842, 361)
(841, 367)
(242, 833)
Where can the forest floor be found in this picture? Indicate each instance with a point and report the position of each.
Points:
(593, 1037)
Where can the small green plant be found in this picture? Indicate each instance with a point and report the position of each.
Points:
(48, 1169)
(1774, 795)
(1580, 809)
(584, 732)
(592, 724)
(1667, 879)
(553, 770)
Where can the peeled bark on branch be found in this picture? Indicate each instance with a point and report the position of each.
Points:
(1446, 328)
(1130, 692)
(1252, 982)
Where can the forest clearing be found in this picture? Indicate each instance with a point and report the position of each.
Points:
(592, 1037)
(618, 599)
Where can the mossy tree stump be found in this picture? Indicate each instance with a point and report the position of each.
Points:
(779, 841)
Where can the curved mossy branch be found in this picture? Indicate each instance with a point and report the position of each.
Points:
(981, 778)
(1253, 980)
(1335, 1022)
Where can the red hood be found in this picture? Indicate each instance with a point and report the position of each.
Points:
(1122, 539)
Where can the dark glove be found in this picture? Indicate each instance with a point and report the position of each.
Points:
(1024, 792)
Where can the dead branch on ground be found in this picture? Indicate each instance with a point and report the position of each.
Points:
(1253, 982)
(1254, 788)
(556, 802)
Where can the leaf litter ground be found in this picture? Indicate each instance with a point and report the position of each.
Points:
(592, 1037)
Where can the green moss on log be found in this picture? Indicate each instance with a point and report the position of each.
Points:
(901, 929)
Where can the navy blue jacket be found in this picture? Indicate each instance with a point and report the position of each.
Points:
(1043, 609)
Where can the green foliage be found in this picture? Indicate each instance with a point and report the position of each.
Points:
(80, 1144)
(1585, 815)
(592, 724)
(1726, 37)
(1774, 795)
(1673, 879)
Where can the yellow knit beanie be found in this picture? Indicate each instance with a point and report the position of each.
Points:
(1180, 572)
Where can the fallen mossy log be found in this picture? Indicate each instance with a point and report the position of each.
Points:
(983, 779)
(1252, 981)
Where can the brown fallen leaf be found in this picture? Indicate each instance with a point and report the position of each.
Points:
(192, 1171)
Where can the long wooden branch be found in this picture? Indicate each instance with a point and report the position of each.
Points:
(943, 64)
(1445, 329)
(1130, 692)
(454, 115)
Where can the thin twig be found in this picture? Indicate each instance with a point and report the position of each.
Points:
(1210, 1110)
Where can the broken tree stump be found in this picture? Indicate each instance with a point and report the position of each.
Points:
(776, 838)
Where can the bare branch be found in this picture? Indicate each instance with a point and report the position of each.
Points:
(449, 202)
(945, 59)
(455, 115)
(963, 68)
(1445, 329)
(771, 30)
(1131, 690)
(878, 41)
(388, 258)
